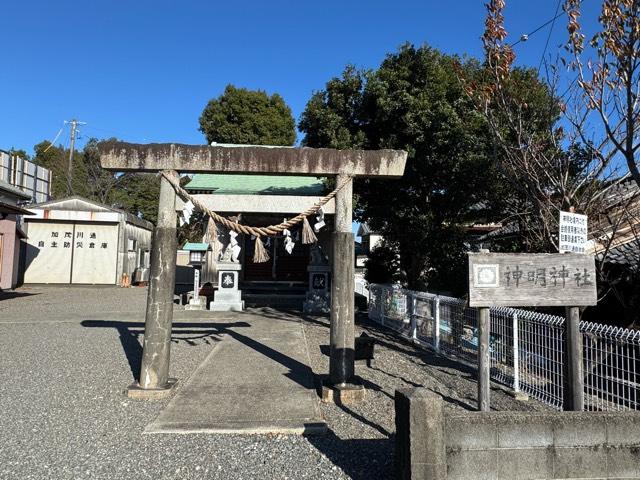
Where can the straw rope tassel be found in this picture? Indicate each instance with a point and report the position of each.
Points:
(212, 230)
(260, 254)
(308, 236)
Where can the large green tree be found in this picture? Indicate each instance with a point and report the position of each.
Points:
(56, 159)
(242, 116)
(414, 101)
(138, 193)
(245, 116)
(101, 184)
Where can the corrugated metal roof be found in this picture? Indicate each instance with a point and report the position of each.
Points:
(75, 203)
(195, 247)
(256, 184)
(84, 204)
(7, 208)
(7, 187)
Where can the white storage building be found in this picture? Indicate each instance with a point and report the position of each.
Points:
(78, 241)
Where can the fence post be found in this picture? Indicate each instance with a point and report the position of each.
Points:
(414, 326)
(437, 323)
(484, 360)
(516, 354)
(573, 395)
(383, 298)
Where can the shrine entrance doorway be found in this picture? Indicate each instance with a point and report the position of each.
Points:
(282, 265)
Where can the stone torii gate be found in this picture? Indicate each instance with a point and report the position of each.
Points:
(247, 159)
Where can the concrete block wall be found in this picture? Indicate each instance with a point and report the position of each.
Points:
(518, 445)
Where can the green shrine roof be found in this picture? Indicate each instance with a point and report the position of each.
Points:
(256, 184)
(196, 247)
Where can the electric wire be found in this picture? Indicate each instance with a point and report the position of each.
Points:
(52, 142)
(525, 37)
(546, 45)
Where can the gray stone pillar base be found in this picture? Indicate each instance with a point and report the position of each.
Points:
(200, 304)
(137, 392)
(520, 396)
(343, 394)
(228, 298)
(227, 307)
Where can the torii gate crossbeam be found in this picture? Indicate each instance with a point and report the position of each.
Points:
(246, 159)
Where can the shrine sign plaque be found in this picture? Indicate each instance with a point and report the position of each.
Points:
(531, 280)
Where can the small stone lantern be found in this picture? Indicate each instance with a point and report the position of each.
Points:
(197, 258)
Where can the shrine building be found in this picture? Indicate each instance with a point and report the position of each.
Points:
(263, 200)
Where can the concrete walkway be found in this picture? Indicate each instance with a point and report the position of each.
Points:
(256, 380)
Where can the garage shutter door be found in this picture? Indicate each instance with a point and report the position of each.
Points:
(55, 249)
(95, 252)
(49, 252)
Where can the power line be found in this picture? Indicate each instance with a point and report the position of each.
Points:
(526, 36)
(54, 140)
(546, 45)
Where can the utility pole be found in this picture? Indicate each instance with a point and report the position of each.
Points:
(74, 126)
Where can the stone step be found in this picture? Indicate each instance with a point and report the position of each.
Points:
(273, 300)
(276, 287)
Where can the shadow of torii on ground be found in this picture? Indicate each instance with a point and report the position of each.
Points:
(131, 333)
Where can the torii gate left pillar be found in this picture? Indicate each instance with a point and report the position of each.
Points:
(154, 379)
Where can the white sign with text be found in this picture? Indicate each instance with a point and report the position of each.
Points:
(572, 235)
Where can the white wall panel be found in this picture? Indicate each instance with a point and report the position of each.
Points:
(95, 254)
(49, 251)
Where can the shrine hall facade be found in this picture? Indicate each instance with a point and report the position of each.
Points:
(262, 200)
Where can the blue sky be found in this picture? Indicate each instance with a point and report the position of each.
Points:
(143, 70)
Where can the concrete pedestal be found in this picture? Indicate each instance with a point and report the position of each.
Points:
(421, 451)
(228, 298)
(343, 394)
(137, 392)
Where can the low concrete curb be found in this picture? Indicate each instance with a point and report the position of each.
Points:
(512, 445)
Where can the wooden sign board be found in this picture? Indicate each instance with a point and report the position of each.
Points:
(531, 279)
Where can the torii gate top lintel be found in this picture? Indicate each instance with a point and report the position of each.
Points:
(251, 159)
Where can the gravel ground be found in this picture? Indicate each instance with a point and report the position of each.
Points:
(39, 303)
(63, 415)
(366, 430)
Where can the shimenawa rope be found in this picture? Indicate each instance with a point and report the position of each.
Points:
(260, 253)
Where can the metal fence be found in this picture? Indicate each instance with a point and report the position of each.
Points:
(361, 285)
(526, 347)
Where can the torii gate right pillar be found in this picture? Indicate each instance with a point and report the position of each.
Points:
(342, 386)
(342, 356)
